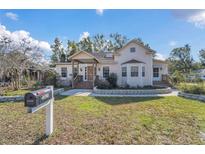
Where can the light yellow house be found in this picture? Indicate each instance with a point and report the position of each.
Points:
(134, 64)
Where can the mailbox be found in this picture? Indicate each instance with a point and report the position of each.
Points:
(35, 98)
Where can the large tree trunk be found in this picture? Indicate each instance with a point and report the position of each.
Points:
(19, 80)
(15, 79)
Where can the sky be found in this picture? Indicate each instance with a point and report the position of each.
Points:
(163, 30)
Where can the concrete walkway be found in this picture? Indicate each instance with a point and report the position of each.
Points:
(77, 92)
(89, 92)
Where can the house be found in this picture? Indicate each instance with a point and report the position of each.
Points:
(134, 64)
(201, 74)
(32, 73)
(198, 74)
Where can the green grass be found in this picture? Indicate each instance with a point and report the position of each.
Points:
(16, 92)
(107, 120)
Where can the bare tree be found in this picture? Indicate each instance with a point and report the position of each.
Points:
(16, 57)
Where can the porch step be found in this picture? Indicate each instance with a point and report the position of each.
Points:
(84, 85)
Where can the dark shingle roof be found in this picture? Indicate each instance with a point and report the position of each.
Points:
(101, 55)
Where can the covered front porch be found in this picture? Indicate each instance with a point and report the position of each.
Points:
(84, 68)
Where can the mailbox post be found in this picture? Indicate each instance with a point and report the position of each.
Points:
(49, 115)
(36, 100)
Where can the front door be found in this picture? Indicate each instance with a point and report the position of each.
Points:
(90, 73)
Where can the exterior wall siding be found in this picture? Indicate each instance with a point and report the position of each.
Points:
(69, 71)
(141, 55)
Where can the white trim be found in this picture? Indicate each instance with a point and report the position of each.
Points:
(85, 53)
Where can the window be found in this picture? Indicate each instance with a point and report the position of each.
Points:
(143, 71)
(106, 72)
(134, 71)
(156, 72)
(64, 72)
(132, 49)
(124, 71)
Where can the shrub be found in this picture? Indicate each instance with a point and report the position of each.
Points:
(102, 84)
(192, 88)
(198, 80)
(126, 86)
(37, 85)
(63, 83)
(177, 78)
(112, 79)
(50, 78)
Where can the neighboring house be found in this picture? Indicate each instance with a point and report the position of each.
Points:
(134, 65)
(33, 73)
(199, 74)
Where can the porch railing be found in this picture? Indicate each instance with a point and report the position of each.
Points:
(78, 78)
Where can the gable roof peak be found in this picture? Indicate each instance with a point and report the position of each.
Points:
(140, 43)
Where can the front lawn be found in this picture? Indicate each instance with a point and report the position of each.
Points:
(107, 120)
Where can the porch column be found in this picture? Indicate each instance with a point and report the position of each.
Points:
(93, 75)
(72, 73)
(78, 68)
(94, 72)
(38, 75)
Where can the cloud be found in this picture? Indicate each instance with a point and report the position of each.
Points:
(172, 43)
(44, 45)
(196, 17)
(159, 56)
(12, 16)
(100, 11)
(17, 37)
(3, 31)
(84, 35)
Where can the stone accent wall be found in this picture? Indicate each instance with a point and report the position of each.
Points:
(132, 91)
(11, 98)
(21, 98)
(192, 96)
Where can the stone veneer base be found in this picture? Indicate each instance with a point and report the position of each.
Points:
(132, 91)
(192, 96)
